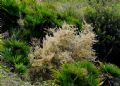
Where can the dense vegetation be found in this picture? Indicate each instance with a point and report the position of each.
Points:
(61, 42)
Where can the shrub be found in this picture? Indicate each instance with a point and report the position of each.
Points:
(110, 74)
(21, 68)
(37, 20)
(85, 73)
(105, 17)
(111, 70)
(15, 52)
(9, 14)
(11, 6)
(77, 74)
(65, 46)
(68, 18)
(17, 48)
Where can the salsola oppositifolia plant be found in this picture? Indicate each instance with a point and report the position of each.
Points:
(65, 46)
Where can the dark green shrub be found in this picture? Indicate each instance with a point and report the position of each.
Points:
(105, 20)
(77, 74)
(11, 6)
(9, 14)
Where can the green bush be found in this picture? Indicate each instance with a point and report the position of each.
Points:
(17, 48)
(110, 74)
(40, 19)
(70, 19)
(111, 69)
(77, 74)
(37, 20)
(21, 68)
(85, 73)
(15, 52)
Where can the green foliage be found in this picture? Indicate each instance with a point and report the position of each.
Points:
(37, 19)
(77, 74)
(11, 6)
(70, 19)
(17, 48)
(87, 74)
(21, 68)
(111, 69)
(15, 52)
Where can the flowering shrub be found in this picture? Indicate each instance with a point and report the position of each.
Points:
(64, 46)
